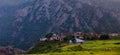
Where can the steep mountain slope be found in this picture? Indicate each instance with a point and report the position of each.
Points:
(69, 16)
(44, 16)
(8, 15)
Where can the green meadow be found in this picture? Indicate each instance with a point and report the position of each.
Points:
(96, 47)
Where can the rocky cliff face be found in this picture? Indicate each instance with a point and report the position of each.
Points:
(10, 51)
(69, 16)
(44, 16)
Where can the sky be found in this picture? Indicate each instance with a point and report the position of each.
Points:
(16, 2)
(11, 2)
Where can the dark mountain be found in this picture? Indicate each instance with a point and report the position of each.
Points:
(8, 15)
(44, 16)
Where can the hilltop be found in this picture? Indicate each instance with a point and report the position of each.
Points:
(54, 44)
(98, 47)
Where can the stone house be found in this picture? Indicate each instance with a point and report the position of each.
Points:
(79, 35)
(57, 37)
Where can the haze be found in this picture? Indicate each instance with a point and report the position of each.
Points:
(12, 2)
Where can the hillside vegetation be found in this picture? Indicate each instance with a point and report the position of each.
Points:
(97, 47)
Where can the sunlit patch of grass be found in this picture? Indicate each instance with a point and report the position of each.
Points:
(73, 47)
(101, 45)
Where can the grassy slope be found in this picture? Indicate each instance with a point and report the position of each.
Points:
(98, 47)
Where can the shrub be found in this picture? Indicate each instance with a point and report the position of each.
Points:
(104, 37)
(48, 35)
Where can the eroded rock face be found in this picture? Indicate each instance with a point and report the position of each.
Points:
(68, 16)
(10, 51)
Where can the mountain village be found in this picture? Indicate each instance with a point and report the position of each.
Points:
(78, 36)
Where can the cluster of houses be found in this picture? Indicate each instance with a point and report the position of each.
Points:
(78, 36)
